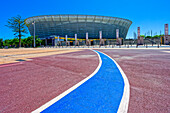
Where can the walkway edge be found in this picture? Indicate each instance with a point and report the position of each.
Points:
(43, 107)
(123, 107)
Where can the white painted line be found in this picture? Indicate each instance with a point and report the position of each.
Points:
(12, 64)
(166, 51)
(123, 107)
(43, 107)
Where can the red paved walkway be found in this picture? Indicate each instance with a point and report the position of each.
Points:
(148, 72)
(25, 87)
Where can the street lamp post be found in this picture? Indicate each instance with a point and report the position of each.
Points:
(34, 32)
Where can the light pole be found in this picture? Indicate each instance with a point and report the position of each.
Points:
(34, 32)
(160, 38)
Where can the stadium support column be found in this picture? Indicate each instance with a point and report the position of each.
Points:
(58, 41)
(118, 40)
(76, 42)
(67, 43)
(101, 40)
(87, 40)
(140, 39)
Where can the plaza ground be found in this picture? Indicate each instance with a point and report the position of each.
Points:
(46, 73)
(148, 71)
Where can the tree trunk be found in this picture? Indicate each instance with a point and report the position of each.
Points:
(19, 40)
(19, 35)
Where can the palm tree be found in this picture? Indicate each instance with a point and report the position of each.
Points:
(18, 26)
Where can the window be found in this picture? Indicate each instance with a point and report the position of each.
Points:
(98, 19)
(81, 18)
(56, 18)
(90, 18)
(64, 18)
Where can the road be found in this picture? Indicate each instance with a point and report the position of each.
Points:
(26, 86)
(148, 71)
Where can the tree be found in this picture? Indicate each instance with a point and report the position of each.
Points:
(38, 41)
(148, 37)
(14, 42)
(6, 42)
(18, 26)
(30, 40)
(142, 35)
(1, 42)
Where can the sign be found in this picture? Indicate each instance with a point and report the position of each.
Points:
(166, 29)
(138, 31)
(117, 33)
(100, 34)
(86, 36)
(75, 37)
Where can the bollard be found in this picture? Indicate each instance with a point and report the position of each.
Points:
(158, 45)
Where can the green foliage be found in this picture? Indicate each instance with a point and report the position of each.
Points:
(6, 42)
(26, 42)
(1, 42)
(18, 26)
(14, 42)
(156, 36)
(148, 37)
(142, 35)
(30, 41)
(11, 42)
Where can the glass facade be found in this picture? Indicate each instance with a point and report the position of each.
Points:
(70, 25)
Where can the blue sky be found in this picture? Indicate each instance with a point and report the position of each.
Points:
(148, 14)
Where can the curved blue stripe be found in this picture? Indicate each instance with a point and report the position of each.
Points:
(101, 93)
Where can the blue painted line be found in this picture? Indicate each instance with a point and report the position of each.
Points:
(101, 93)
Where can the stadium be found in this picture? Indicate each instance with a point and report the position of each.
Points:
(62, 25)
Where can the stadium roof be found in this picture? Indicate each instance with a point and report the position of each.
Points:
(70, 24)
